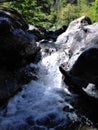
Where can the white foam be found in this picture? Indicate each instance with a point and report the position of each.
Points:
(38, 98)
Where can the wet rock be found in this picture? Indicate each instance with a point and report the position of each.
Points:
(39, 128)
(37, 31)
(41, 33)
(61, 30)
(47, 47)
(52, 35)
(17, 50)
(52, 121)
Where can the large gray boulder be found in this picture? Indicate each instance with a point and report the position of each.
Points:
(80, 43)
(79, 36)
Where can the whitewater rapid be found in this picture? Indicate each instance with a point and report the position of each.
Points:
(41, 102)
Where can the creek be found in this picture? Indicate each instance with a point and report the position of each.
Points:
(40, 103)
(46, 103)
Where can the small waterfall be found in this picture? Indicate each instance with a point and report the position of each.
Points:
(40, 104)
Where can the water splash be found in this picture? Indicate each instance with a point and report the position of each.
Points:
(41, 102)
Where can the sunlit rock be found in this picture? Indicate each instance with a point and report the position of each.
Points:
(79, 36)
(80, 42)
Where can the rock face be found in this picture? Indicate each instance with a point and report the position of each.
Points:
(76, 39)
(80, 43)
(13, 18)
(84, 70)
(86, 66)
(17, 49)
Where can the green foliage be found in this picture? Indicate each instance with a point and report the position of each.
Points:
(54, 13)
(29, 10)
(35, 12)
(93, 11)
(70, 12)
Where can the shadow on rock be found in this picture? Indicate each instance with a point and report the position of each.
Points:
(17, 50)
(83, 72)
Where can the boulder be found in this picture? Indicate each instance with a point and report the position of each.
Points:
(80, 43)
(17, 50)
(84, 70)
(77, 37)
(16, 19)
(52, 35)
(37, 31)
(86, 66)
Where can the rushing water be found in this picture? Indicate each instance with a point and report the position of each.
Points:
(40, 104)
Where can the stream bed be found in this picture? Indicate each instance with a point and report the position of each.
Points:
(44, 104)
